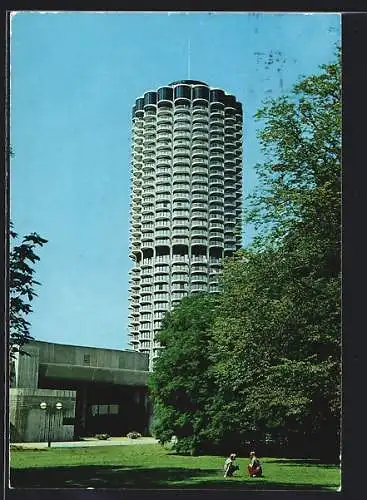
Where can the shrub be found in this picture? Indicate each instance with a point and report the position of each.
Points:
(133, 435)
(102, 436)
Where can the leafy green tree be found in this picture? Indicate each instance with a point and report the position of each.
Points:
(278, 324)
(22, 287)
(300, 176)
(181, 386)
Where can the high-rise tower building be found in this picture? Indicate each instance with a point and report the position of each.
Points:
(186, 199)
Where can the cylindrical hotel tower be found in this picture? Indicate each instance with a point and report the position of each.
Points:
(186, 199)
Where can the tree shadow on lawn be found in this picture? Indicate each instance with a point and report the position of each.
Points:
(306, 462)
(115, 476)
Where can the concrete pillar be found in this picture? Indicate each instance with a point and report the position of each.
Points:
(26, 368)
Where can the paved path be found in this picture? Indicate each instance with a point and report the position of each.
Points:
(114, 441)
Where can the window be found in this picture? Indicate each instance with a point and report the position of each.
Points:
(68, 421)
(86, 359)
(111, 409)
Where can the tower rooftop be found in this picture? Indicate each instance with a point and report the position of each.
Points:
(188, 82)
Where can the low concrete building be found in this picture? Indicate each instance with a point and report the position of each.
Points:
(83, 390)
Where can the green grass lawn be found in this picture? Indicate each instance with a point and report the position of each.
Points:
(153, 466)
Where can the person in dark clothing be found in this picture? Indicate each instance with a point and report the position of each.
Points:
(254, 467)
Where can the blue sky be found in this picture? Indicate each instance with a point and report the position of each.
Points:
(74, 79)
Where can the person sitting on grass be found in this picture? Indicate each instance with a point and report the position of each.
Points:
(230, 465)
(254, 467)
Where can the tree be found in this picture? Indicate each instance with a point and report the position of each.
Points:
(278, 324)
(181, 386)
(301, 143)
(22, 288)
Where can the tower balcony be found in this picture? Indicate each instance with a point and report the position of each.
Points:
(182, 118)
(162, 259)
(163, 173)
(180, 161)
(216, 113)
(198, 269)
(230, 129)
(198, 197)
(180, 186)
(164, 112)
(198, 287)
(216, 235)
(148, 244)
(181, 127)
(135, 285)
(201, 134)
(199, 278)
(216, 122)
(178, 267)
(164, 153)
(198, 206)
(176, 258)
(199, 233)
(165, 119)
(181, 232)
(180, 224)
(162, 216)
(199, 214)
(146, 302)
(180, 241)
(216, 173)
(164, 139)
(135, 247)
(199, 168)
(216, 243)
(181, 152)
(199, 119)
(182, 134)
(180, 277)
(165, 128)
(181, 196)
(148, 200)
(216, 210)
(198, 153)
(177, 297)
(160, 297)
(147, 273)
(164, 189)
(200, 125)
(196, 241)
(230, 248)
(182, 108)
(161, 277)
(148, 173)
(197, 187)
(162, 240)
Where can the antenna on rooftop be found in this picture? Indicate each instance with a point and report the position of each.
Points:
(188, 59)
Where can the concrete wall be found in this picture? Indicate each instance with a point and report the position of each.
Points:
(93, 374)
(91, 356)
(26, 367)
(29, 423)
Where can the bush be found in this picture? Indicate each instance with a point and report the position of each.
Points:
(133, 435)
(102, 436)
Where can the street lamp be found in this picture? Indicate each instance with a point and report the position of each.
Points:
(50, 409)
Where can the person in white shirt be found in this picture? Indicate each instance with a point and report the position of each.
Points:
(230, 465)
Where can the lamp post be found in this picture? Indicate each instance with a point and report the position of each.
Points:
(50, 409)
